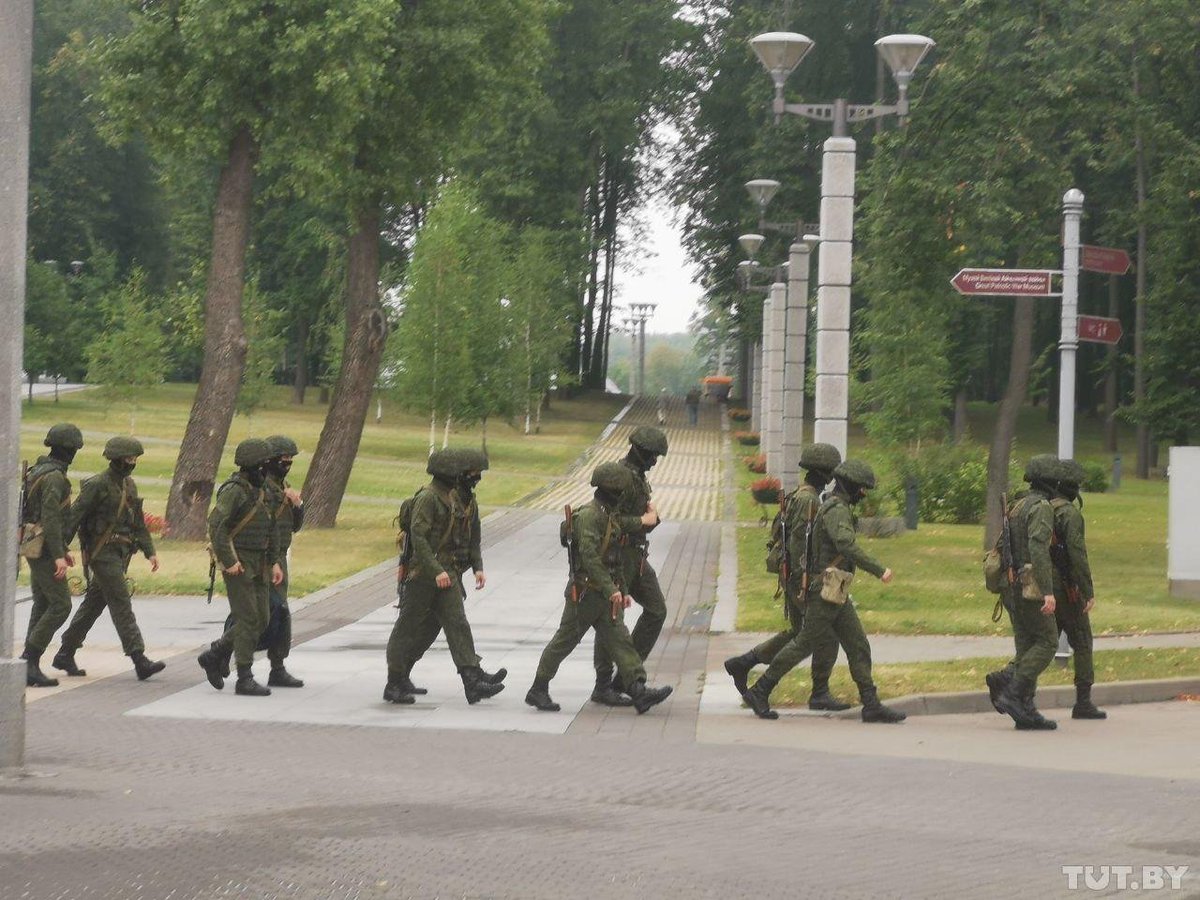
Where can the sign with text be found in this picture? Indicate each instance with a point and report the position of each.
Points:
(1100, 330)
(1106, 260)
(1004, 282)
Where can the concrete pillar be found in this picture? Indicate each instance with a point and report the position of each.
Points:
(756, 388)
(16, 42)
(794, 362)
(774, 406)
(834, 258)
(764, 375)
(1068, 344)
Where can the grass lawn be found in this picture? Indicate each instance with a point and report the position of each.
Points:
(949, 675)
(939, 579)
(389, 467)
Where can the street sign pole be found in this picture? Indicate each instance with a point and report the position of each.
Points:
(1069, 340)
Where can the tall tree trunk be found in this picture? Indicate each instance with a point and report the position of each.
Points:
(1111, 396)
(1006, 420)
(1139, 325)
(224, 346)
(608, 231)
(300, 384)
(593, 284)
(366, 335)
(960, 415)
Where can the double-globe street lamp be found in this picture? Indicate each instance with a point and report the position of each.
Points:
(780, 53)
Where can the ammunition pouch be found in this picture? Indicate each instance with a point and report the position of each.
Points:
(993, 572)
(835, 585)
(1029, 585)
(31, 541)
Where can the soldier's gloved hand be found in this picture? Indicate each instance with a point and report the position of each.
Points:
(154, 563)
(1087, 607)
(277, 574)
(442, 580)
(1048, 605)
(887, 576)
(480, 580)
(236, 569)
(60, 568)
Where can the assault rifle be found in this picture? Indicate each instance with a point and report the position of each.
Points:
(404, 555)
(785, 557)
(1061, 561)
(808, 551)
(212, 574)
(569, 543)
(1007, 564)
(21, 500)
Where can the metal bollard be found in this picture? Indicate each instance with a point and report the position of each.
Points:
(912, 504)
(1116, 476)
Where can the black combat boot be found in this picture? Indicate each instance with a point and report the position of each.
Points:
(821, 699)
(538, 696)
(496, 677)
(1084, 708)
(34, 676)
(247, 686)
(1036, 721)
(739, 668)
(281, 677)
(1011, 702)
(758, 698)
(225, 655)
(408, 687)
(475, 688)
(146, 667)
(64, 661)
(997, 683)
(874, 711)
(210, 662)
(606, 695)
(396, 690)
(645, 697)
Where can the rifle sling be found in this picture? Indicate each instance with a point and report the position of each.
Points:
(107, 536)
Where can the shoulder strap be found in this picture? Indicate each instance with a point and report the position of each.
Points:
(245, 520)
(107, 536)
(31, 488)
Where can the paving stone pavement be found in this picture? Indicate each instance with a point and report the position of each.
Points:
(327, 793)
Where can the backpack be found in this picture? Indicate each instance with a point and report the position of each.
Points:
(403, 523)
(776, 542)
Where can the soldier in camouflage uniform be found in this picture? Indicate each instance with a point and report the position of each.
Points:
(818, 461)
(288, 508)
(474, 464)
(111, 524)
(646, 445)
(243, 536)
(1074, 593)
(595, 597)
(1031, 525)
(445, 541)
(47, 503)
(833, 547)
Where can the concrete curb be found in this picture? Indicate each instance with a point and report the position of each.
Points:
(1113, 693)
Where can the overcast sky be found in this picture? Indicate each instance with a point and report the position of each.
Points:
(662, 274)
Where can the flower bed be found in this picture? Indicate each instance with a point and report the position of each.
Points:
(756, 464)
(766, 490)
(747, 438)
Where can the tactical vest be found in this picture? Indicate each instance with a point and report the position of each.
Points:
(255, 535)
(35, 483)
(1018, 525)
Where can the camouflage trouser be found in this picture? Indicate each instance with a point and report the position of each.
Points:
(647, 593)
(51, 604)
(827, 624)
(1035, 635)
(106, 588)
(592, 611)
(279, 639)
(1077, 626)
(824, 657)
(249, 604)
(426, 610)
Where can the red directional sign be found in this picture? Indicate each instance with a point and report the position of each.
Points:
(1108, 260)
(1004, 282)
(1100, 330)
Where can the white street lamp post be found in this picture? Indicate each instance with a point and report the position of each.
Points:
(641, 313)
(780, 53)
(1069, 338)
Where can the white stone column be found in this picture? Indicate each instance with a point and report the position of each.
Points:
(794, 362)
(16, 41)
(764, 375)
(773, 427)
(831, 413)
(1068, 343)
(756, 393)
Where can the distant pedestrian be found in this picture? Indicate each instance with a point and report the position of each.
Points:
(662, 406)
(692, 400)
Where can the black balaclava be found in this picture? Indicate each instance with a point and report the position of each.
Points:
(607, 497)
(256, 475)
(1043, 487)
(854, 492)
(817, 478)
(63, 454)
(1069, 491)
(122, 468)
(643, 459)
(279, 467)
(468, 480)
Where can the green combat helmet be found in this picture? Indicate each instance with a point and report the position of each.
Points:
(649, 439)
(822, 457)
(1070, 472)
(446, 463)
(474, 460)
(612, 477)
(251, 452)
(1043, 467)
(121, 446)
(64, 435)
(282, 445)
(856, 472)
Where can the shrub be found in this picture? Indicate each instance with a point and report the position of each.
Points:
(740, 415)
(1095, 481)
(756, 464)
(766, 490)
(951, 481)
(747, 438)
(155, 524)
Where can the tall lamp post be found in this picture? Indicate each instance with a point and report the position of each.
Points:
(641, 312)
(780, 53)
